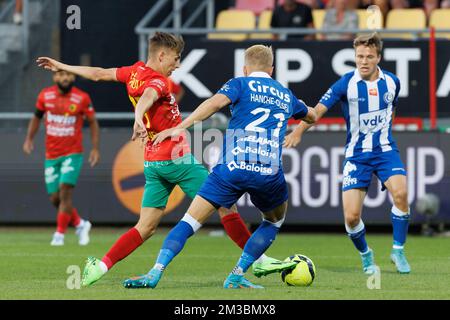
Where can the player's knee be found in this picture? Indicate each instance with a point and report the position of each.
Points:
(400, 197)
(65, 193)
(352, 220)
(54, 199)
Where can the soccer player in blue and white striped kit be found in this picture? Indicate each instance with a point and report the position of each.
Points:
(260, 108)
(369, 96)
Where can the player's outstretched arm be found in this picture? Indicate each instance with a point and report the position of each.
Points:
(33, 127)
(294, 138)
(94, 155)
(205, 110)
(90, 73)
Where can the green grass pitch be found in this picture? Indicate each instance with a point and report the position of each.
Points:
(31, 269)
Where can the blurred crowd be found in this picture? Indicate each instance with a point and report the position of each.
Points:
(17, 15)
(339, 14)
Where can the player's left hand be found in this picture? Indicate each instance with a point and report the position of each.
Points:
(163, 135)
(291, 140)
(94, 156)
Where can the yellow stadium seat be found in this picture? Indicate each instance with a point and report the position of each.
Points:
(440, 19)
(318, 17)
(404, 19)
(233, 19)
(369, 19)
(263, 23)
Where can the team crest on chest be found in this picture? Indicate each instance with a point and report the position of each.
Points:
(73, 108)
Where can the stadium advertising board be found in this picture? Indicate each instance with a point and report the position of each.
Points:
(111, 192)
(309, 68)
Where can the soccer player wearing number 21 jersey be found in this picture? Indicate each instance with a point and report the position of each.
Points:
(167, 164)
(368, 96)
(251, 163)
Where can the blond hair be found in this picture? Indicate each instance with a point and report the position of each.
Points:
(259, 56)
(165, 40)
(370, 40)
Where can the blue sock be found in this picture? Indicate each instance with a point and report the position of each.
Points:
(358, 236)
(174, 243)
(258, 243)
(400, 222)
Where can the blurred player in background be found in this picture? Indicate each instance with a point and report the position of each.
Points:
(369, 96)
(65, 107)
(167, 164)
(258, 122)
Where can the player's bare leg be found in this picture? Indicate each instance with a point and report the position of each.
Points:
(199, 211)
(54, 199)
(258, 243)
(397, 186)
(353, 201)
(149, 219)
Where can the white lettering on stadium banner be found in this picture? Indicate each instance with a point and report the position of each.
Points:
(315, 176)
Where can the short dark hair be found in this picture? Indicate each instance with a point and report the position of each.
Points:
(165, 40)
(370, 40)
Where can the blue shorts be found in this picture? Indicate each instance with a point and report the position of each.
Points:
(357, 172)
(224, 187)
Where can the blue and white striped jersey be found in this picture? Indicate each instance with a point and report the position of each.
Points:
(367, 107)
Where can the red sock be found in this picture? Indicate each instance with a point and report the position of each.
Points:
(75, 218)
(62, 222)
(125, 245)
(236, 229)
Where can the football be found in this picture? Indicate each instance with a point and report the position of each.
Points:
(302, 275)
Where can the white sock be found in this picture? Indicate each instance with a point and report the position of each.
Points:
(103, 266)
(159, 266)
(261, 258)
(238, 271)
(59, 234)
(368, 249)
(80, 224)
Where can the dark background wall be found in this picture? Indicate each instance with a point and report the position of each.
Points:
(107, 39)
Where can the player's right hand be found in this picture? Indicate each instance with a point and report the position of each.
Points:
(28, 146)
(291, 140)
(140, 132)
(49, 64)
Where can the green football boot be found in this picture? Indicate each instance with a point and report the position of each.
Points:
(92, 271)
(270, 265)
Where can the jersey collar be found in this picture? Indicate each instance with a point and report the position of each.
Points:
(259, 74)
(380, 75)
